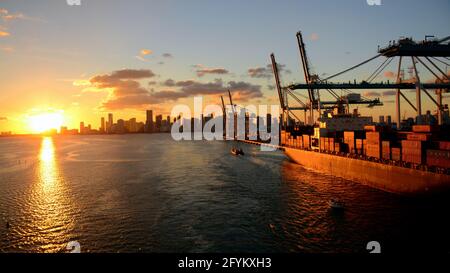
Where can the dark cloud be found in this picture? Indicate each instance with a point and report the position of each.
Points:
(152, 82)
(132, 74)
(241, 90)
(120, 76)
(389, 93)
(266, 72)
(259, 72)
(167, 55)
(126, 92)
(185, 83)
(169, 82)
(371, 94)
(205, 70)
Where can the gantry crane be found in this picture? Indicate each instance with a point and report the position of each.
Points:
(404, 47)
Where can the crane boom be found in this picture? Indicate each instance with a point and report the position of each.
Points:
(277, 81)
(223, 105)
(231, 101)
(307, 73)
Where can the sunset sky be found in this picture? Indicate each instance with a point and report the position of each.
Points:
(127, 56)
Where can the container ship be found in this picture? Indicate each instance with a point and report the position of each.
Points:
(408, 157)
(403, 162)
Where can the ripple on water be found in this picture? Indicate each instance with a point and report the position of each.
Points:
(148, 193)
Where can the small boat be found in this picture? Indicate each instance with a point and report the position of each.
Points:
(237, 151)
(336, 204)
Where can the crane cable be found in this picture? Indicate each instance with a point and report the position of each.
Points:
(380, 68)
(351, 68)
(440, 61)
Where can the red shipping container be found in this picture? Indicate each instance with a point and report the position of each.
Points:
(438, 158)
(419, 136)
(425, 128)
(412, 144)
(386, 150)
(413, 155)
(444, 145)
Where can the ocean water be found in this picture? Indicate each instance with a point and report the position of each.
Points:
(148, 193)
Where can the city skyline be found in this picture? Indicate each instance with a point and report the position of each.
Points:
(71, 63)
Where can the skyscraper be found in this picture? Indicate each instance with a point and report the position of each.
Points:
(158, 122)
(81, 127)
(110, 121)
(149, 121)
(102, 125)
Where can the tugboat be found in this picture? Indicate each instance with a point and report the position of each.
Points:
(237, 151)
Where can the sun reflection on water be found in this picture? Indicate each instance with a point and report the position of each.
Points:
(47, 169)
(52, 203)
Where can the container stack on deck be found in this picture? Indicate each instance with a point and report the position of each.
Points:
(413, 151)
(373, 142)
(423, 146)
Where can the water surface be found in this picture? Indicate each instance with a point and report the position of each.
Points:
(148, 193)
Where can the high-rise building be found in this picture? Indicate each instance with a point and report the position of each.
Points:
(120, 126)
(158, 122)
(132, 125)
(149, 121)
(63, 130)
(102, 125)
(110, 121)
(388, 120)
(82, 128)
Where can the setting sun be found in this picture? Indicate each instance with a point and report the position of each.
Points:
(42, 122)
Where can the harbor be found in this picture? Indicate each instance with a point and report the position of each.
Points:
(224, 136)
(409, 157)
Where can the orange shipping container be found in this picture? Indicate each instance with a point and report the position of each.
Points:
(418, 136)
(396, 154)
(424, 128)
(373, 137)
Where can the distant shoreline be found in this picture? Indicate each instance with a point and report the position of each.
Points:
(65, 135)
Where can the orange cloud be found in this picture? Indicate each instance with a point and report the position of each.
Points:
(390, 74)
(4, 33)
(146, 52)
(81, 83)
(314, 37)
